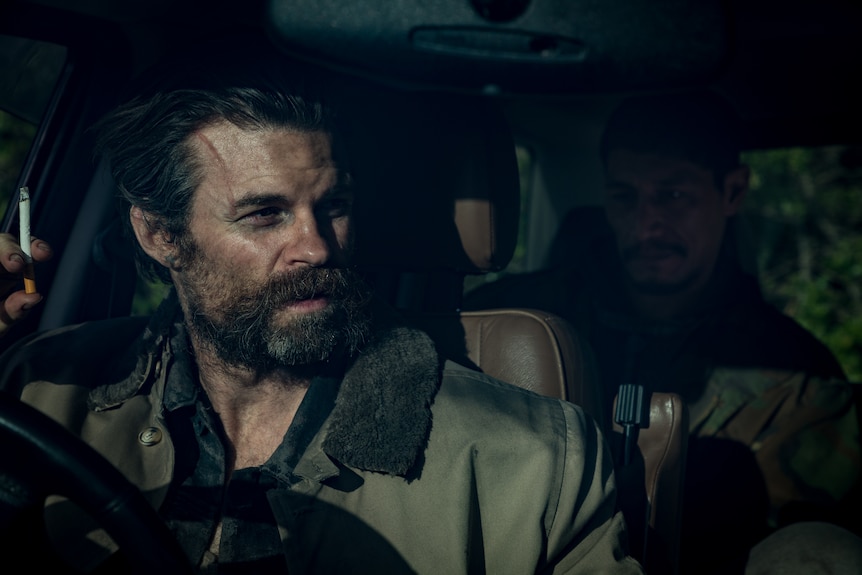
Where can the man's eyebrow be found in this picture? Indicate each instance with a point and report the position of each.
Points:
(618, 185)
(259, 200)
(682, 176)
(344, 182)
(255, 200)
(342, 186)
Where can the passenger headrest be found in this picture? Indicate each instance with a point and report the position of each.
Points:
(437, 182)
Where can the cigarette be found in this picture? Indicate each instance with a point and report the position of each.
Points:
(24, 239)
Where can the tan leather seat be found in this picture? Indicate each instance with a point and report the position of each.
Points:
(651, 485)
(530, 348)
(441, 201)
(541, 352)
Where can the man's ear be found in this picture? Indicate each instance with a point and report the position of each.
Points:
(154, 240)
(735, 189)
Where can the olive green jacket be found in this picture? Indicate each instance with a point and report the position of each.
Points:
(422, 466)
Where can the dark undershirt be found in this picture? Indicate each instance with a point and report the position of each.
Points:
(198, 497)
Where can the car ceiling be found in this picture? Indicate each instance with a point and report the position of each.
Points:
(788, 66)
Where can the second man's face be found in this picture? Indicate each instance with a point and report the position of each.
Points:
(668, 217)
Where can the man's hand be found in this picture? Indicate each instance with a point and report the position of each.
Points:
(15, 303)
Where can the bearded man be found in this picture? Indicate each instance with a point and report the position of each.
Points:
(277, 416)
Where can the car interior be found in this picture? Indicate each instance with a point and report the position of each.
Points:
(475, 127)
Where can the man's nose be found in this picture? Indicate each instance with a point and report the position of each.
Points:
(650, 219)
(309, 244)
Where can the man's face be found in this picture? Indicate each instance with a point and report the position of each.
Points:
(262, 272)
(668, 217)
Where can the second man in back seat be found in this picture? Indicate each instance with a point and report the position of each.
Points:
(665, 304)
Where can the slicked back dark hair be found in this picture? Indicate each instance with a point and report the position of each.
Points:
(147, 143)
(699, 126)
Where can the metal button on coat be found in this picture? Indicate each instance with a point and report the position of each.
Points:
(150, 436)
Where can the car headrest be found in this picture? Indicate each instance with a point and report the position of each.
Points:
(437, 183)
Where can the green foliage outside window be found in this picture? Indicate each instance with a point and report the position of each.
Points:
(16, 136)
(148, 296)
(805, 212)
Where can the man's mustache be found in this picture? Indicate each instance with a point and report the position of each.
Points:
(307, 283)
(339, 285)
(653, 248)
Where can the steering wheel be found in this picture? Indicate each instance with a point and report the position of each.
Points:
(62, 464)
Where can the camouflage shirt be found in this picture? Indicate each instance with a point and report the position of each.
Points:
(803, 430)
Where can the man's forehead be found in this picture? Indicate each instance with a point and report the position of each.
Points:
(655, 165)
(259, 165)
(223, 141)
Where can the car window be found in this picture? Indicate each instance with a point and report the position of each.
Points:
(148, 295)
(805, 222)
(29, 70)
(16, 136)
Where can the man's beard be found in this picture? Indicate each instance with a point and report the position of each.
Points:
(647, 287)
(239, 322)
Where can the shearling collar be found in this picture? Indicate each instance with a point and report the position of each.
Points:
(382, 414)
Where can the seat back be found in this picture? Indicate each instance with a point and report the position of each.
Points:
(530, 348)
(651, 485)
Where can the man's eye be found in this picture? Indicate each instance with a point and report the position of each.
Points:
(337, 207)
(265, 216)
(673, 194)
(622, 197)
